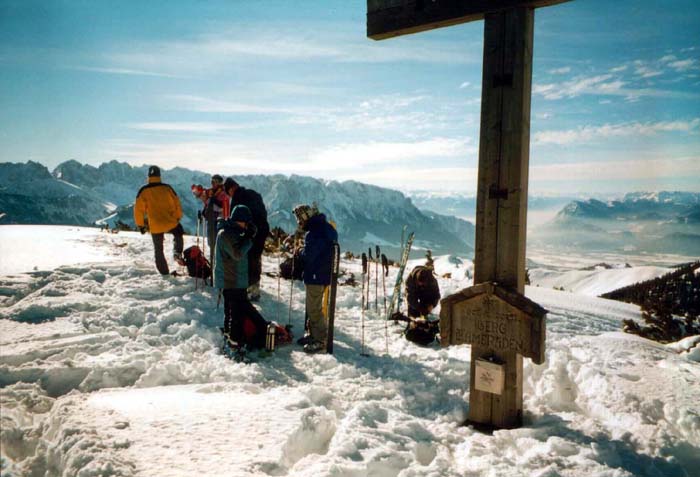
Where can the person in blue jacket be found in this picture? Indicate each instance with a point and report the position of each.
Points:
(233, 242)
(317, 256)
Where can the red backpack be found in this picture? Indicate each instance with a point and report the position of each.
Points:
(197, 264)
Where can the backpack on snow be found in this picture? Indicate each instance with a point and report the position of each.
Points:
(292, 267)
(421, 331)
(255, 332)
(197, 264)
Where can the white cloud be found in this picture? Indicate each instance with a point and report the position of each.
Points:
(620, 170)
(123, 71)
(428, 178)
(383, 113)
(209, 105)
(560, 71)
(618, 69)
(578, 86)
(188, 127)
(252, 44)
(683, 65)
(466, 84)
(346, 156)
(647, 72)
(215, 155)
(591, 133)
(604, 85)
(344, 160)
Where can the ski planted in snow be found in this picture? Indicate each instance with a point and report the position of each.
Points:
(335, 269)
(399, 277)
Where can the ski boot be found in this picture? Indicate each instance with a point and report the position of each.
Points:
(232, 350)
(314, 347)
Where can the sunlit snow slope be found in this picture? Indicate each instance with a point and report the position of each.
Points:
(108, 369)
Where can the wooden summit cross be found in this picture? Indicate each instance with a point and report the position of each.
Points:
(493, 316)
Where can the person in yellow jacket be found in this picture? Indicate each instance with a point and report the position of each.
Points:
(159, 203)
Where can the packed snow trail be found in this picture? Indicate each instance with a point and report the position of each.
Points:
(107, 368)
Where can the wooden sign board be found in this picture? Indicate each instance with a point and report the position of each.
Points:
(389, 18)
(494, 318)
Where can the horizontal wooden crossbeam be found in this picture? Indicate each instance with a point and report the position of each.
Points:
(390, 18)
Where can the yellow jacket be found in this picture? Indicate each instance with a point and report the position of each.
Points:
(160, 203)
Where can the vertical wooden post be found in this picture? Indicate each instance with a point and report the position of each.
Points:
(501, 206)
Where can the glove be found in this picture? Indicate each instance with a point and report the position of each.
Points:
(142, 229)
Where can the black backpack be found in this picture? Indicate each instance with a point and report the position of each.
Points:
(292, 264)
(197, 264)
(422, 331)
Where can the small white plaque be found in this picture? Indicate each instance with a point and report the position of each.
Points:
(490, 377)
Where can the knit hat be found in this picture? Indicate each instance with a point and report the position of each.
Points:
(241, 213)
(304, 212)
(154, 171)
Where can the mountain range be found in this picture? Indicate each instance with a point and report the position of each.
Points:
(652, 222)
(464, 206)
(365, 215)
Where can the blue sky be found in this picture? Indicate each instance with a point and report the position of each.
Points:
(238, 87)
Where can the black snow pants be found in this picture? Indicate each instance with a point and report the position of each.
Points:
(237, 310)
(255, 255)
(178, 242)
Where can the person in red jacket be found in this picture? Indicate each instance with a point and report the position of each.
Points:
(216, 207)
(160, 204)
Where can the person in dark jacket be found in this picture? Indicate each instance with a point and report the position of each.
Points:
(233, 243)
(160, 203)
(317, 256)
(251, 199)
(422, 291)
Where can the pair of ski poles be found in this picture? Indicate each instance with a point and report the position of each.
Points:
(367, 271)
(279, 285)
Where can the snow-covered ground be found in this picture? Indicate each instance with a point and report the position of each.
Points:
(594, 282)
(108, 369)
(594, 273)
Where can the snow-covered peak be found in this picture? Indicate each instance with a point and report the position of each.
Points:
(667, 197)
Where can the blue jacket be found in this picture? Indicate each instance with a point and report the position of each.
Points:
(231, 256)
(317, 253)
